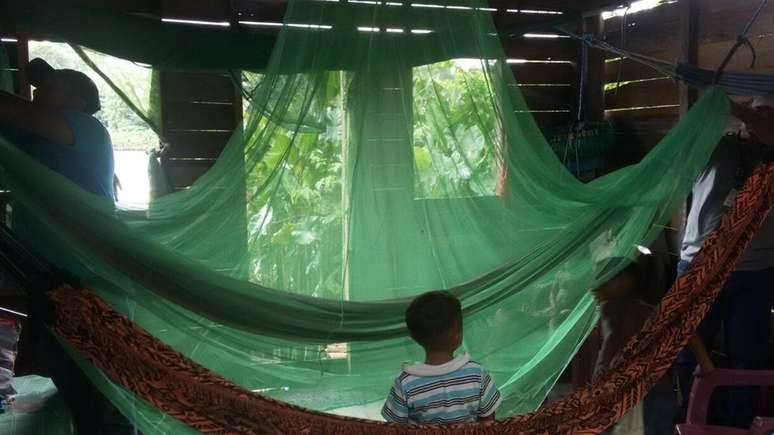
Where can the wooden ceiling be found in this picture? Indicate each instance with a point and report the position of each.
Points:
(223, 8)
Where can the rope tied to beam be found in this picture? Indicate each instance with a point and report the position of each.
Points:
(742, 41)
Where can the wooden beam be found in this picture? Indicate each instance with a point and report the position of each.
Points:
(689, 49)
(594, 86)
(643, 94)
(22, 58)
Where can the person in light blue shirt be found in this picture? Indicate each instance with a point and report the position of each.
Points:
(58, 129)
(444, 389)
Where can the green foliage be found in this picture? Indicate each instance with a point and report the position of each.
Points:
(301, 220)
(454, 133)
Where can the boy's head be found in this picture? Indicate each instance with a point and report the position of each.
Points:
(434, 320)
(623, 284)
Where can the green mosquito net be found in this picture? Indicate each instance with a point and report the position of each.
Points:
(386, 151)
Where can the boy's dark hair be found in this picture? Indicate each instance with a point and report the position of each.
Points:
(433, 318)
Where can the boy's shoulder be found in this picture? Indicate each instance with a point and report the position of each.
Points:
(460, 366)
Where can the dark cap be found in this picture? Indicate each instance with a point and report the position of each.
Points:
(39, 71)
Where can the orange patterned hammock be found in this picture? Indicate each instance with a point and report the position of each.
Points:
(211, 404)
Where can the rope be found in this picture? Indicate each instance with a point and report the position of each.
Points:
(741, 40)
(661, 66)
(734, 83)
(666, 68)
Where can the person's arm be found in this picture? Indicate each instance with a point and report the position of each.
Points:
(706, 366)
(24, 114)
(395, 408)
(489, 398)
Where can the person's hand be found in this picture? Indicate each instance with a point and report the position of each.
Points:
(705, 368)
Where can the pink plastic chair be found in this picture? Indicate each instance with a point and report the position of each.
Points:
(696, 420)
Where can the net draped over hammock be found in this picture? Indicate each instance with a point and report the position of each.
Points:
(386, 151)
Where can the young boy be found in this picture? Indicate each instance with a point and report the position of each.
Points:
(443, 389)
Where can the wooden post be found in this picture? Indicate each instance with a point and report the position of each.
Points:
(689, 47)
(582, 368)
(689, 53)
(23, 57)
(594, 93)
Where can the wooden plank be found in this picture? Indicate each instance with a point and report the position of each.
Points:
(194, 87)
(11, 51)
(637, 132)
(593, 106)
(725, 5)
(15, 77)
(712, 54)
(545, 73)
(722, 21)
(194, 116)
(657, 121)
(653, 119)
(550, 119)
(649, 32)
(657, 32)
(23, 57)
(150, 7)
(643, 94)
(661, 18)
(556, 5)
(273, 10)
(542, 49)
(547, 98)
(627, 70)
(183, 173)
(191, 144)
(208, 10)
(689, 48)
(265, 10)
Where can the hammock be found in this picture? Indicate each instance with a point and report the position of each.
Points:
(376, 162)
(152, 370)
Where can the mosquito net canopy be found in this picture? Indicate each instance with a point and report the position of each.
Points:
(386, 151)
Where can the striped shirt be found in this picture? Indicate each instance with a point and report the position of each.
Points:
(455, 392)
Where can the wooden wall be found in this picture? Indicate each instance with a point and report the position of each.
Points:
(199, 111)
(16, 52)
(643, 109)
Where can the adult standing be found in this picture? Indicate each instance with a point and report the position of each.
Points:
(58, 128)
(743, 307)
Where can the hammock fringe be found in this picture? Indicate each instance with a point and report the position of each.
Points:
(211, 404)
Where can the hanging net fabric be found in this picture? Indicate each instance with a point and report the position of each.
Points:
(386, 151)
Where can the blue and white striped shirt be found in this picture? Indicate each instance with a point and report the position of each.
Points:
(455, 392)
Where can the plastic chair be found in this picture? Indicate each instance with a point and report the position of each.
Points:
(696, 420)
